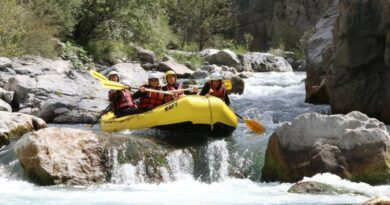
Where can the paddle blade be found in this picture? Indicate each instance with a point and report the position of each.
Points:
(254, 126)
(97, 75)
(113, 85)
(227, 84)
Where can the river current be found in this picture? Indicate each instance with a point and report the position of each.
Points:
(269, 98)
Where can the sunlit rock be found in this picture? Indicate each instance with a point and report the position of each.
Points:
(63, 156)
(311, 187)
(180, 69)
(352, 146)
(266, 62)
(14, 125)
(223, 57)
(378, 200)
(41, 86)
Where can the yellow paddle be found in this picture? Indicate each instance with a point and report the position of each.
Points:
(253, 125)
(97, 75)
(227, 84)
(119, 86)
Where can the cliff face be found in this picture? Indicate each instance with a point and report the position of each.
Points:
(270, 20)
(358, 75)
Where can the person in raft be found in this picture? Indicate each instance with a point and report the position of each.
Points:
(149, 99)
(172, 85)
(216, 88)
(121, 100)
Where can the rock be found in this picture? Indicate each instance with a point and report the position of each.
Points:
(14, 125)
(40, 84)
(351, 146)
(265, 62)
(181, 70)
(311, 187)
(223, 57)
(378, 200)
(211, 68)
(131, 72)
(208, 52)
(4, 106)
(146, 56)
(7, 96)
(319, 48)
(199, 74)
(4, 63)
(238, 85)
(268, 21)
(62, 156)
(358, 73)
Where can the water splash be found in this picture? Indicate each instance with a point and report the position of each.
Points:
(181, 164)
(218, 155)
(127, 173)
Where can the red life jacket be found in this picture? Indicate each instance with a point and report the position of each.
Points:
(151, 99)
(219, 91)
(168, 98)
(123, 101)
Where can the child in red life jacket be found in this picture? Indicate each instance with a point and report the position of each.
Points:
(148, 99)
(121, 100)
(172, 85)
(216, 88)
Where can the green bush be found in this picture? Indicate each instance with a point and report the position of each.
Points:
(107, 51)
(194, 60)
(21, 32)
(77, 55)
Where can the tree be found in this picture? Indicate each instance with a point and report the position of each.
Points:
(200, 20)
(21, 32)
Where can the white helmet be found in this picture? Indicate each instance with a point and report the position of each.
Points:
(216, 76)
(126, 82)
(153, 75)
(113, 72)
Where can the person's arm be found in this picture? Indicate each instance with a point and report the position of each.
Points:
(205, 90)
(227, 100)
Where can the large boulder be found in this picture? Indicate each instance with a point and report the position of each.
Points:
(180, 69)
(223, 57)
(42, 86)
(146, 56)
(318, 52)
(352, 146)
(63, 156)
(14, 125)
(133, 73)
(266, 62)
(359, 72)
(4, 106)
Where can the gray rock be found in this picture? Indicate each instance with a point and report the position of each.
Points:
(319, 48)
(180, 69)
(223, 57)
(311, 187)
(358, 73)
(7, 96)
(378, 200)
(4, 63)
(268, 21)
(146, 56)
(14, 125)
(46, 85)
(265, 62)
(131, 72)
(352, 146)
(63, 156)
(199, 74)
(4, 106)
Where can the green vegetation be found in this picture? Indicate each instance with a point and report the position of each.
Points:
(108, 30)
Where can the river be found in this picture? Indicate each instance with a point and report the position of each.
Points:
(270, 98)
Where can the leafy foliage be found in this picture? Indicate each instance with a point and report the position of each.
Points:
(21, 32)
(77, 55)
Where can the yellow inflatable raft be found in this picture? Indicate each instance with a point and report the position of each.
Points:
(191, 113)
